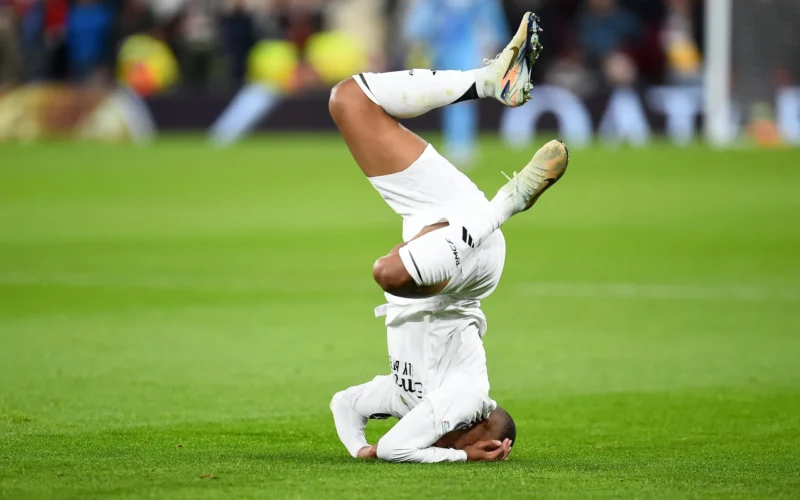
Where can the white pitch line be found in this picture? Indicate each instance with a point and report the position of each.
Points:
(653, 291)
(241, 284)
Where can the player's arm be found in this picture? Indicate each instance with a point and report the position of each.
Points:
(414, 437)
(353, 407)
(482, 451)
(350, 424)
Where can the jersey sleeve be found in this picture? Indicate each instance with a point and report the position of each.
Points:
(411, 439)
(353, 407)
(461, 401)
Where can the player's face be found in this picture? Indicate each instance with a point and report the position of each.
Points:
(462, 438)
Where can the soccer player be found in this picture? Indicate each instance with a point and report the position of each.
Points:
(452, 258)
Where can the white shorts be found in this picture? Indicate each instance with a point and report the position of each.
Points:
(432, 190)
(428, 191)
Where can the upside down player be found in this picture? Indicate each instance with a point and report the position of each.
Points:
(452, 258)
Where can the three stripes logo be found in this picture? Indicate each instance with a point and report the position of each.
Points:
(466, 237)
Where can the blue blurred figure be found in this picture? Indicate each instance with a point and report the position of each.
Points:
(458, 33)
(90, 25)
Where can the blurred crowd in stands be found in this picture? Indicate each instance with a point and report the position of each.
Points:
(589, 44)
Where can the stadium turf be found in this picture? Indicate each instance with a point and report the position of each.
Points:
(175, 319)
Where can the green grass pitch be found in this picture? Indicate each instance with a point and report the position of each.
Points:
(175, 319)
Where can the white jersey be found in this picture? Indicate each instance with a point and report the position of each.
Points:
(437, 360)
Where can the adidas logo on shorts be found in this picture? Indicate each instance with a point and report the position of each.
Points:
(467, 237)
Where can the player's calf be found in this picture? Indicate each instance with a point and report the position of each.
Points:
(378, 143)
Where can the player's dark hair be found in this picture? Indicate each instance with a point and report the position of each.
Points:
(507, 429)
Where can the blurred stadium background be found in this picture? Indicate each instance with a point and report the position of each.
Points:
(185, 247)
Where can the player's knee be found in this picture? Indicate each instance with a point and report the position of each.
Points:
(344, 96)
(335, 102)
(390, 274)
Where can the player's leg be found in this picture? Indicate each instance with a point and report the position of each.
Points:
(367, 106)
(365, 109)
(424, 266)
(378, 143)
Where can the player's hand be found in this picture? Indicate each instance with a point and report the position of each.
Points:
(368, 452)
(488, 451)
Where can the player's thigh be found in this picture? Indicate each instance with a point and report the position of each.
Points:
(429, 191)
(379, 144)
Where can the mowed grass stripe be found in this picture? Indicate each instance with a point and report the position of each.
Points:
(644, 334)
(245, 284)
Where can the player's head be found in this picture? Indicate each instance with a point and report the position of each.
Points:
(501, 426)
(498, 426)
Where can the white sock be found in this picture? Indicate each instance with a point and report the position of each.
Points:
(477, 226)
(502, 208)
(406, 94)
(481, 225)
